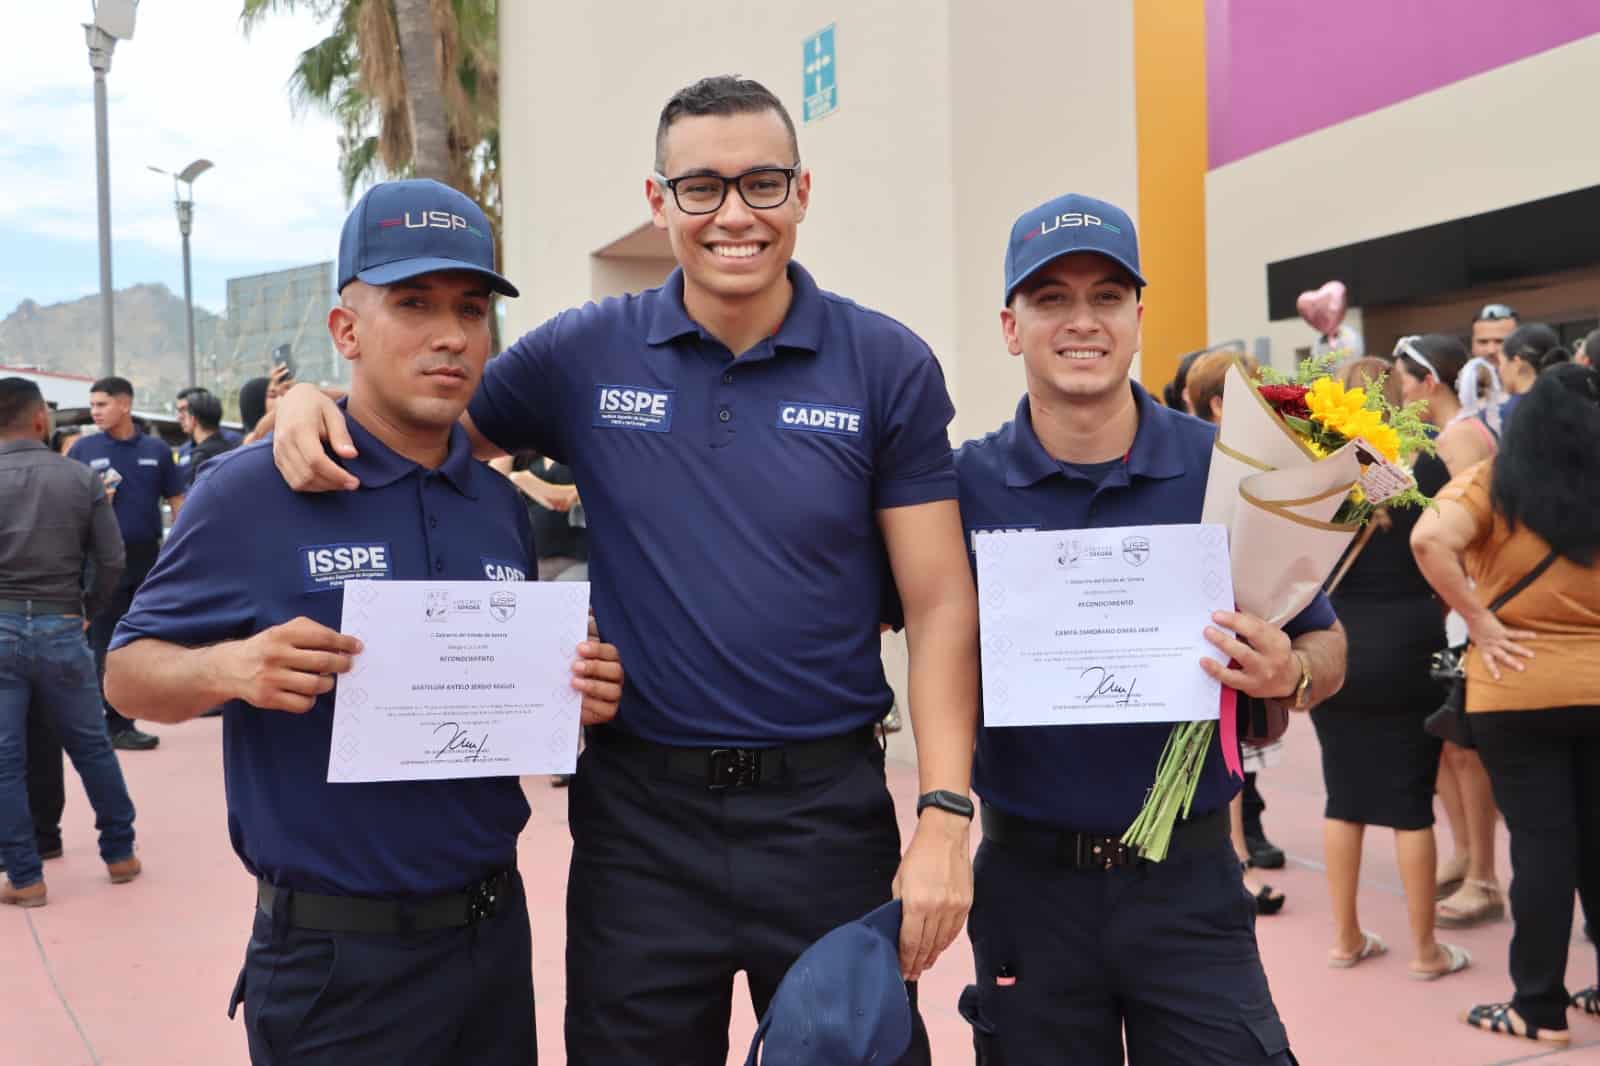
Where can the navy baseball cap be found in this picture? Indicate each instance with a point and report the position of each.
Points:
(403, 229)
(843, 1002)
(1067, 224)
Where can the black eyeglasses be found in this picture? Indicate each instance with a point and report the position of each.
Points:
(761, 189)
(1495, 313)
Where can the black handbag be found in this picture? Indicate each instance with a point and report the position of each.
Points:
(1448, 668)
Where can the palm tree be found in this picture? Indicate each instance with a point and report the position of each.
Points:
(413, 85)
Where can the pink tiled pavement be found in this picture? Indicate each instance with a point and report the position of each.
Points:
(139, 974)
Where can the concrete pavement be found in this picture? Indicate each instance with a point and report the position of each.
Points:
(139, 974)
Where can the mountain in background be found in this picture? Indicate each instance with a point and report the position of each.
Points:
(150, 347)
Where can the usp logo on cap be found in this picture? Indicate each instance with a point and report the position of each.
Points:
(403, 229)
(1067, 224)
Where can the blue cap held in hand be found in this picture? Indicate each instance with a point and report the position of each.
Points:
(843, 1002)
(404, 229)
(1068, 224)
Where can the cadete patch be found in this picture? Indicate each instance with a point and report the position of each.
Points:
(500, 570)
(820, 418)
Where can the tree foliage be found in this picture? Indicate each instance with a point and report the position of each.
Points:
(357, 76)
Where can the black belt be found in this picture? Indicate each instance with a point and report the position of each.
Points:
(356, 914)
(720, 769)
(1087, 851)
(33, 607)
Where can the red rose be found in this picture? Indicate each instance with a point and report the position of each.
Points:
(1287, 399)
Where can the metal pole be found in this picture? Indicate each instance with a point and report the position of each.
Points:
(185, 223)
(100, 48)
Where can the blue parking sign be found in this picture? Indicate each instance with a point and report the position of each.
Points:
(821, 67)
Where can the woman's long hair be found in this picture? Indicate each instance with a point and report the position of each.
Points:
(1547, 475)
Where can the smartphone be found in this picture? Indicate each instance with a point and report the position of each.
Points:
(111, 478)
(283, 356)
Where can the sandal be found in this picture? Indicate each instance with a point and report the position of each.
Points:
(1588, 1000)
(1268, 902)
(1372, 946)
(1445, 887)
(1456, 960)
(1451, 915)
(1499, 1018)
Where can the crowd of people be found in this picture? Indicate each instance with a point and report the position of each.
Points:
(1515, 477)
(730, 806)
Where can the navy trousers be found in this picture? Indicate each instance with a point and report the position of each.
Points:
(440, 998)
(675, 888)
(1068, 960)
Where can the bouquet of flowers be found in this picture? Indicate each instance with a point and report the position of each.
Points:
(1299, 466)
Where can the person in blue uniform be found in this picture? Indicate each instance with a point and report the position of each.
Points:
(139, 473)
(391, 924)
(755, 455)
(1077, 942)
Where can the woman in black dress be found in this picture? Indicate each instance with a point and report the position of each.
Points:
(1377, 762)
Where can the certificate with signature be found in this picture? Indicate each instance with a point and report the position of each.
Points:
(458, 679)
(1100, 625)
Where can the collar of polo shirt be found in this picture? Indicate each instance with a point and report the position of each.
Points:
(1155, 452)
(801, 330)
(378, 465)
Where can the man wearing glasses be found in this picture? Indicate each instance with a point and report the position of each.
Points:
(754, 455)
(1490, 330)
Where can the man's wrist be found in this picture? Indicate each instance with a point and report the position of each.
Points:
(946, 809)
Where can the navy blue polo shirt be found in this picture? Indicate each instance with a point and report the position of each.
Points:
(735, 556)
(246, 554)
(1090, 778)
(148, 476)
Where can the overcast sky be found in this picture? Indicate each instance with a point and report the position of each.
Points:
(189, 85)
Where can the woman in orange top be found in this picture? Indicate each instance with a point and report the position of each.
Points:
(1533, 673)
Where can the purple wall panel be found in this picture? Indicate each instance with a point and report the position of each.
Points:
(1279, 69)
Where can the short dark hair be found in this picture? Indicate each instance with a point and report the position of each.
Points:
(184, 394)
(205, 408)
(113, 386)
(724, 94)
(1547, 473)
(19, 399)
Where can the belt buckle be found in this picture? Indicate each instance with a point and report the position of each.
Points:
(732, 768)
(1102, 853)
(483, 900)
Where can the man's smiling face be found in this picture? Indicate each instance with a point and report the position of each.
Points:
(1076, 325)
(736, 251)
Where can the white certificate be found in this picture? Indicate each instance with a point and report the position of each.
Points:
(1092, 626)
(459, 679)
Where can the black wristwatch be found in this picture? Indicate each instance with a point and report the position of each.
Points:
(945, 800)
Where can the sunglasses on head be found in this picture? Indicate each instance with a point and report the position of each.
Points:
(1495, 313)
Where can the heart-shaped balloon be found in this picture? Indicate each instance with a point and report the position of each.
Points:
(1324, 308)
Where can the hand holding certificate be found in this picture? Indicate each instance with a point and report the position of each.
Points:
(458, 679)
(1100, 625)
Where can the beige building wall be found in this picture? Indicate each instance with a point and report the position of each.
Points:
(1504, 137)
(954, 117)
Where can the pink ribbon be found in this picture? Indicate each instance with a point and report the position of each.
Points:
(1228, 727)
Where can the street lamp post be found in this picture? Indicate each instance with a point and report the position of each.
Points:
(183, 182)
(113, 22)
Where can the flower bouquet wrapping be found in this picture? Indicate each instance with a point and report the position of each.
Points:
(1298, 467)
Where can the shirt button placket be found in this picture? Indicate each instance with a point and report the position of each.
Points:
(723, 431)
